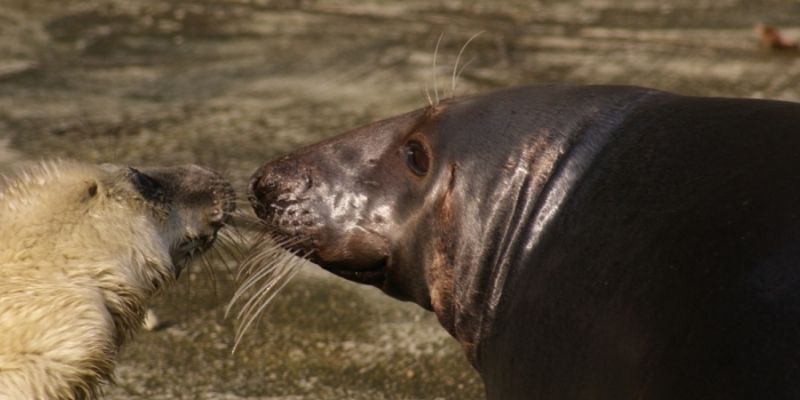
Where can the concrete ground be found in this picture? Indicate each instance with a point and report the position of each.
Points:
(233, 83)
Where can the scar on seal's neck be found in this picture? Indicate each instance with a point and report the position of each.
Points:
(441, 277)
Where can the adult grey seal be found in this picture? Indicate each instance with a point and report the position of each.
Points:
(597, 242)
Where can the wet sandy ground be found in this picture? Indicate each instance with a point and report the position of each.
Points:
(232, 83)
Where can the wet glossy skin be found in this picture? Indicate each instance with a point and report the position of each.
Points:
(580, 242)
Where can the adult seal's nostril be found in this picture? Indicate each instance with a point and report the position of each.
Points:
(277, 186)
(263, 193)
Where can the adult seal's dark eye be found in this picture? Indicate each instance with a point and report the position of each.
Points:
(417, 158)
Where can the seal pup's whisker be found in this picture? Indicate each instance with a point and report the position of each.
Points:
(226, 249)
(240, 222)
(188, 287)
(210, 271)
(219, 255)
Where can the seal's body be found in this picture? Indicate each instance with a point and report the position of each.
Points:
(83, 249)
(580, 242)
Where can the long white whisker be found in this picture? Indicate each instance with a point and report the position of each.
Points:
(458, 58)
(263, 292)
(250, 282)
(246, 278)
(280, 282)
(428, 95)
(271, 273)
(463, 67)
(251, 262)
(435, 82)
(277, 258)
(266, 270)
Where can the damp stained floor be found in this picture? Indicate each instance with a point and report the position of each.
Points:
(233, 83)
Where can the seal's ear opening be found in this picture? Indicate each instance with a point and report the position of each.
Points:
(90, 191)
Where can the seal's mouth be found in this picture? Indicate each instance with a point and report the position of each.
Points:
(188, 249)
(373, 275)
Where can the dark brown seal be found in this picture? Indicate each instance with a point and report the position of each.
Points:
(580, 242)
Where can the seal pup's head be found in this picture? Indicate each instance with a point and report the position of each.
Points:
(84, 248)
(127, 231)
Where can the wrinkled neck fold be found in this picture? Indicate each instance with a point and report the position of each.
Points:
(514, 215)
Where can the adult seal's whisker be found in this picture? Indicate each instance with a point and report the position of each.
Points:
(265, 276)
(263, 267)
(456, 70)
(251, 311)
(268, 272)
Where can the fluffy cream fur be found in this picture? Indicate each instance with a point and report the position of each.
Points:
(81, 253)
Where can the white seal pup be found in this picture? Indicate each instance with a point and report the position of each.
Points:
(83, 248)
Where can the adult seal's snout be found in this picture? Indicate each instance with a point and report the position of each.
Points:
(279, 194)
(592, 242)
(276, 186)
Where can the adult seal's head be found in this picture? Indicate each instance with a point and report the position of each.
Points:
(600, 242)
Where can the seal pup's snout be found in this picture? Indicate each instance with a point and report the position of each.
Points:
(193, 186)
(223, 203)
(194, 203)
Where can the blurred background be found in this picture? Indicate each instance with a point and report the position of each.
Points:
(233, 83)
